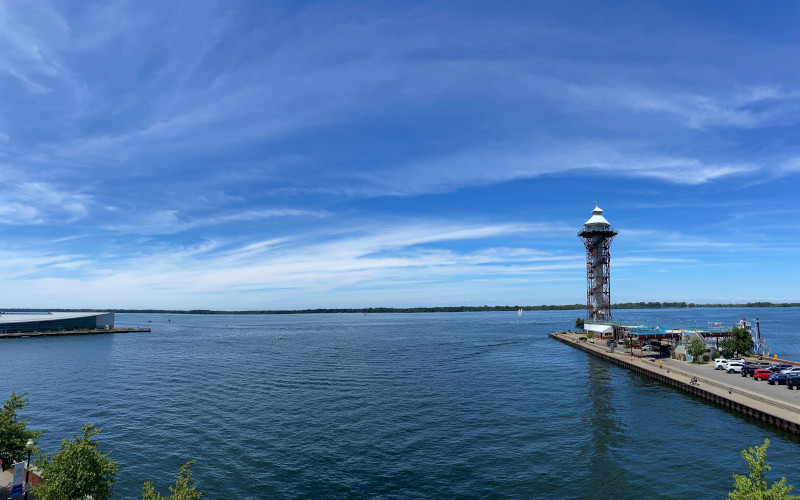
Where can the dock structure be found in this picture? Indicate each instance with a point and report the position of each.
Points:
(621, 331)
(779, 407)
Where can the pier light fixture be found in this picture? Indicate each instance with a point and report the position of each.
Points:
(29, 447)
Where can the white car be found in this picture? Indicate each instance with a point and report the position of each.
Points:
(734, 367)
(795, 370)
(722, 363)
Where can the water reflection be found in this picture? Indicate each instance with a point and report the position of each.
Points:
(606, 432)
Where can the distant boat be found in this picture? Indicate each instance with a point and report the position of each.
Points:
(519, 313)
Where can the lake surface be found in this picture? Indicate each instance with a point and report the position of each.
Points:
(444, 405)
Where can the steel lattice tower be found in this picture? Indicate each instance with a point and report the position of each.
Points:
(597, 235)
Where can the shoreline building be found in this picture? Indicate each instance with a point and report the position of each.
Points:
(597, 235)
(27, 322)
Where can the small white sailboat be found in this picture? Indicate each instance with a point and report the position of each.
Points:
(519, 313)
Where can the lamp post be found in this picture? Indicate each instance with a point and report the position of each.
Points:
(29, 447)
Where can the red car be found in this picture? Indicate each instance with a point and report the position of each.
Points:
(762, 374)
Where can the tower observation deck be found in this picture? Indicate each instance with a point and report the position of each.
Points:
(597, 235)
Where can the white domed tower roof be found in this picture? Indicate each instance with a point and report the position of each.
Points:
(597, 218)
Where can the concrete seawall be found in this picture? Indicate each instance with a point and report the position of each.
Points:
(780, 413)
(103, 331)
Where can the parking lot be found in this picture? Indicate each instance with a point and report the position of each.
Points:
(706, 373)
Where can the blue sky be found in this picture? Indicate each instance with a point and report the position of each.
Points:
(281, 155)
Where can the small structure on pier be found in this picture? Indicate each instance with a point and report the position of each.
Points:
(597, 235)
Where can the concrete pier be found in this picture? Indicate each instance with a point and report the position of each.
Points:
(71, 332)
(775, 405)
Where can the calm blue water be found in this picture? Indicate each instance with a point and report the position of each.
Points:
(467, 405)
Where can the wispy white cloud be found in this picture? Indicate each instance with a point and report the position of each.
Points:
(26, 32)
(660, 240)
(170, 222)
(792, 165)
(754, 107)
(19, 265)
(486, 166)
(27, 202)
(638, 261)
(404, 255)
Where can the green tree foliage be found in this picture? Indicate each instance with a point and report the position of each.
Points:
(579, 323)
(739, 343)
(696, 347)
(14, 434)
(754, 486)
(78, 469)
(184, 488)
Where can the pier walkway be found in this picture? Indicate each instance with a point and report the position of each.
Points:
(772, 404)
(6, 479)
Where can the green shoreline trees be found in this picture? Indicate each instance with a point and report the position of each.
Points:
(696, 348)
(739, 343)
(184, 488)
(754, 486)
(79, 469)
(13, 432)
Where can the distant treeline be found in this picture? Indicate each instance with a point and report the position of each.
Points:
(690, 305)
(624, 305)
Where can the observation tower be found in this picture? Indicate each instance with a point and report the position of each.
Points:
(597, 235)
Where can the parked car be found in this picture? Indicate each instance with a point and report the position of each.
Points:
(749, 368)
(778, 378)
(723, 364)
(734, 366)
(795, 370)
(793, 382)
(762, 374)
(779, 366)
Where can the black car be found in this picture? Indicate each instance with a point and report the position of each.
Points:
(749, 368)
(793, 382)
(778, 367)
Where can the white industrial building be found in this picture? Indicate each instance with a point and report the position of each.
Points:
(24, 322)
